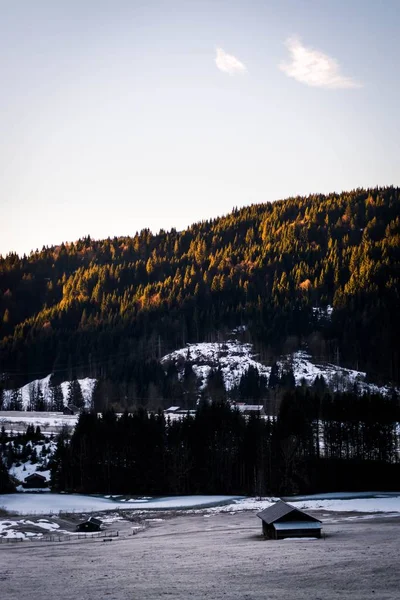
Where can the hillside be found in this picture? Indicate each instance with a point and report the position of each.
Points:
(235, 360)
(195, 370)
(110, 309)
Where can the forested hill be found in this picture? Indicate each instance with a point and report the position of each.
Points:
(112, 308)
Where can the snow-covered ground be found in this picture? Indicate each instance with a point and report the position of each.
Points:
(28, 458)
(47, 421)
(26, 469)
(211, 556)
(11, 529)
(338, 378)
(368, 502)
(23, 469)
(87, 385)
(24, 504)
(234, 358)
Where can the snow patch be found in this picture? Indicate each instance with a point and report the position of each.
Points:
(46, 504)
(234, 358)
(87, 385)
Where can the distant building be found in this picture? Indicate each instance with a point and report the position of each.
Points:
(71, 409)
(172, 410)
(35, 481)
(92, 524)
(248, 409)
(281, 520)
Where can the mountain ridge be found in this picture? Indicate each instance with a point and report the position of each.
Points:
(112, 308)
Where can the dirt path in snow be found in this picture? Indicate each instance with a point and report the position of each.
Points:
(211, 557)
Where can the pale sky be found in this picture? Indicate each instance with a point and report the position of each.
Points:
(117, 115)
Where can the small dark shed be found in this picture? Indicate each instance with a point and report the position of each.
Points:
(71, 409)
(35, 481)
(281, 520)
(92, 524)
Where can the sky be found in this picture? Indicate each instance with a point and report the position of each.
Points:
(125, 114)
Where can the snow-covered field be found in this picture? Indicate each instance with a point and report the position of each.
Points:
(368, 502)
(48, 421)
(25, 504)
(209, 556)
(26, 528)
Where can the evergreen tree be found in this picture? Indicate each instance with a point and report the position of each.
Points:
(16, 400)
(40, 402)
(56, 396)
(61, 463)
(215, 387)
(251, 386)
(32, 397)
(6, 485)
(287, 379)
(75, 396)
(274, 377)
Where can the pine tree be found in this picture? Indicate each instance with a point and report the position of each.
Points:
(274, 377)
(6, 485)
(32, 397)
(75, 396)
(40, 405)
(16, 400)
(56, 397)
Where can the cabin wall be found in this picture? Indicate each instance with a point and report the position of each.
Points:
(280, 535)
(268, 531)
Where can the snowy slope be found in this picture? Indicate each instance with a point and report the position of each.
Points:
(338, 378)
(86, 384)
(234, 359)
(25, 465)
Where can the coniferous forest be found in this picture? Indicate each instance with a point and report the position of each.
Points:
(110, 309)
(317, 443)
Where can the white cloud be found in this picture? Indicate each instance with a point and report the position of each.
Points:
(228, 63)
(315, 68)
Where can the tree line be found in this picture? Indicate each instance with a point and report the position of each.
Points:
(317, 442)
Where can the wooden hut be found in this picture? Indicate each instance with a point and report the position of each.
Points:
(91, 524)
(35, 481)
(281, 520)
(71, 409)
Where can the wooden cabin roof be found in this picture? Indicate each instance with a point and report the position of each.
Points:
(35, 476)
(278, 510)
